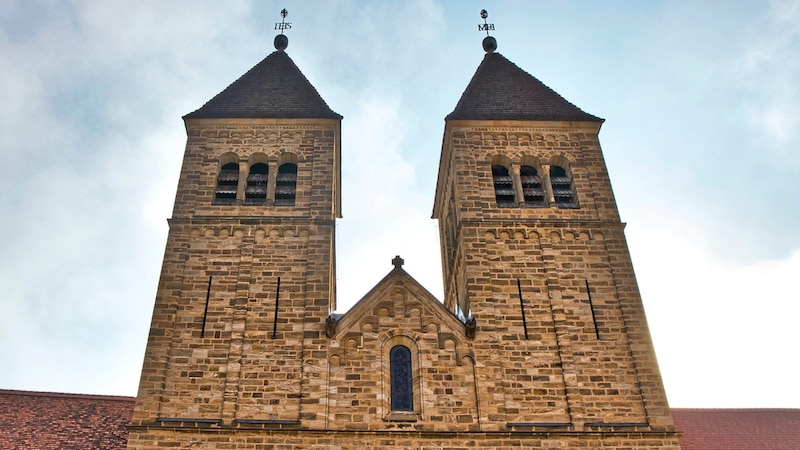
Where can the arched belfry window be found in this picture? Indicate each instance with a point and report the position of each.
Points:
(227, 184)
(401, 375)
(256, 191)
(286, 185)
(532, 189)
(562, 187)
(503, 187)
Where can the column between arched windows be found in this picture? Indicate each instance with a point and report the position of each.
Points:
(243, 169)
(551, 199)
(518, 195)
(271, 179)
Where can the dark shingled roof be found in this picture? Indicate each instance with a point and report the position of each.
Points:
(274, 88)
(726, 429)
(44, 421)
(500, 90)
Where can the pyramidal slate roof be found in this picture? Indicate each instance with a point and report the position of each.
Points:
(500, 90)
(273, 88)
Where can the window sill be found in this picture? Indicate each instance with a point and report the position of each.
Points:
(401, 416)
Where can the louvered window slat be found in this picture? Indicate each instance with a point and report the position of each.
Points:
(253, 177)
(228, 176)
(252, 190)
(530, 179)
(226, 190)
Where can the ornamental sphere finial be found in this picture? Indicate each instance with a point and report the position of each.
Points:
(489, 44)
(281, 42)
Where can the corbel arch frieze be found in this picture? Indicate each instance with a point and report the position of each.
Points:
(237, 232)
(503, 234)
(575, 234)
(281, 232)
(385, 308)
(369, 326)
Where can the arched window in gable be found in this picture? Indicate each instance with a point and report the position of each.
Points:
(227, 184)
(256, 191)
(532, 189)
(286, 185)
(503, 187)
(401, 376)
(563, 191)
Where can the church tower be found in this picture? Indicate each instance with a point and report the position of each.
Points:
(541, 340)
(535, 260)
(248, 273)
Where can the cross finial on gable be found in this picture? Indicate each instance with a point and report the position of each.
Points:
(398, 262)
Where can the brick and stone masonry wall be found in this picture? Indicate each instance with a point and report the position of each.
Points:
(585, 375)
(346, 440)
(580, 364)
(234, 368)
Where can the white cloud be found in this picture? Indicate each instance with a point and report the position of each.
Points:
(720, 326)
(770, 65)
(384, 212)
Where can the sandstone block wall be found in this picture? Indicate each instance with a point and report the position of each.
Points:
(561, 333)
(219, 350)
(547, 367)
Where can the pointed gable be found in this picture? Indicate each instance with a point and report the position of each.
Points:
(380, 297)
(500, 90)
(273, 88)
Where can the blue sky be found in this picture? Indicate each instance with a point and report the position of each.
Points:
(702, 131)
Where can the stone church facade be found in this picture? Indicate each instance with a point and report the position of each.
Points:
(541, 341)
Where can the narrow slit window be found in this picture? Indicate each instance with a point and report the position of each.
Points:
(256, 191)
(562, 188)
(286, 185)
(503, 187)
(227, 184)
(402, 384)
(532, 189)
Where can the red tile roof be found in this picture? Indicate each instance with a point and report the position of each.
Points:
(738, 429)
(41, 420)
(273, 88)
(500, 90)
(44, 421)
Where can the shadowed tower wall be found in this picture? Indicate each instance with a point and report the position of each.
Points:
(248, 276)
(533, 251)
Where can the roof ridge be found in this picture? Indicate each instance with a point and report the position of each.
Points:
(66, 395)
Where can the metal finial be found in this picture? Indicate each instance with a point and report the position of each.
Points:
(489, 43)
(281, 41)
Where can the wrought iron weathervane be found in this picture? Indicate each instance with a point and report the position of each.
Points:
(281, 41)
(486, 26)
(284, 25)
(489, 42)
